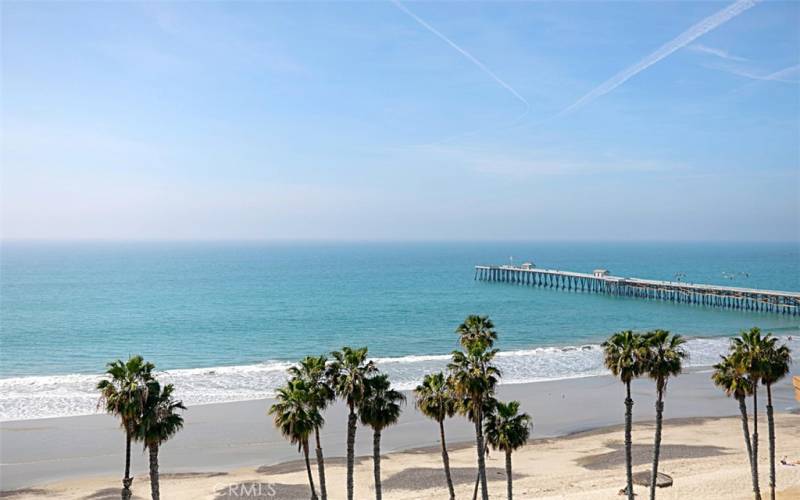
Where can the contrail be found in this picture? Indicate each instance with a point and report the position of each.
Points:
(779, 76)
(723, 54)
(665, 50)
(466, 54)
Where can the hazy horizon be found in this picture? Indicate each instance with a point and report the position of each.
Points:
(390, 121)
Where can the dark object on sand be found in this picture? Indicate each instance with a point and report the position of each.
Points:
(785, 461)
(643, 479)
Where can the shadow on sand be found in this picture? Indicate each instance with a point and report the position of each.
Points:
(643, 454)
(26, 492)
(422, 478)
(300, 465)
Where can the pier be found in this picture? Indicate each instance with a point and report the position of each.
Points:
(600, 281)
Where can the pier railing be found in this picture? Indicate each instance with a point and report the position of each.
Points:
(750, 299)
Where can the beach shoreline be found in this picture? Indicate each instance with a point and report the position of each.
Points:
(225, 437)
(54, 396)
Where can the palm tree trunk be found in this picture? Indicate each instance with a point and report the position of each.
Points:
(351, 439)
(477, 485)
(657, 444)
(746, 432)
(481, 457)
(320, 466)
(628, 443)
(154, 493)
(446, 462)
(376, 461)
(508, 474)
(308, 470)
(756, 487)
(771, 429)
(127, 480)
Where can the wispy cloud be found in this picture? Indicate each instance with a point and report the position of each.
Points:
(708, 24)
(222, 39)
(782, 75)
(464, 53)
(525, 164)
(723, 54)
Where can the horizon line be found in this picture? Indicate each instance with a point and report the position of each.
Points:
(381, 240)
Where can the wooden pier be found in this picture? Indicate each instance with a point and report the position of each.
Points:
(748, 299)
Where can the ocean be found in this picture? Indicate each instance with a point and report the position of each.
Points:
(223, 321)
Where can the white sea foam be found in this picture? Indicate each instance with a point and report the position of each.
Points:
(24, 398)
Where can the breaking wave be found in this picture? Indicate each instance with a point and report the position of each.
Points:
(23, 398)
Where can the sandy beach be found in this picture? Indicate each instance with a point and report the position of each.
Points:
(575, 452)
(703, 455)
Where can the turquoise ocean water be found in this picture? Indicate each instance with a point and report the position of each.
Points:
(225, 319)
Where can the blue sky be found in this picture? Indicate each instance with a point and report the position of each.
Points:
(372, 120)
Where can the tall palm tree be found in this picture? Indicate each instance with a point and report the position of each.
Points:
(623, 355)
(730, 377)
(478, 475)
(507, 430)
(776, 366)
(160, 421)
(474, 378)
(296, 420)
(122, 394)
(379, 409)
(664, 359)
(311, 370)
(348, 373)
(488, 407)
(476, 328)
(435, 400)
(748, 352)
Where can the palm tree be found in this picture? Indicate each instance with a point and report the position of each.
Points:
(296, 420)
(748, 352)
(474, 379)
(624, 357)
(311, 370)
(488, 407)
(379, 409)
(435, 400)
(664, 358)
(122, 394)
(160, 421)
(486, 454)
(476, 328)
(730, 377)
(348, 373)
(507, 430)
(776, 366)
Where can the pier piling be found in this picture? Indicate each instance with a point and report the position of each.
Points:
(747, 299)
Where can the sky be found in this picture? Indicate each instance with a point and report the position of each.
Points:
(401, 121)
